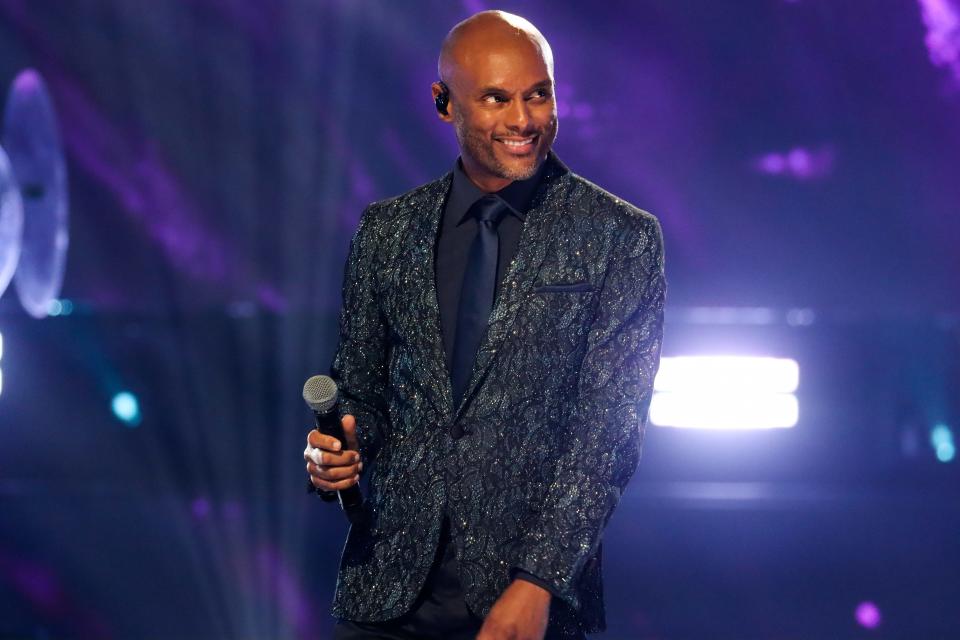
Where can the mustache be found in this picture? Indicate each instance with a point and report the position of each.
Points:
(523, 134)
(542, 131)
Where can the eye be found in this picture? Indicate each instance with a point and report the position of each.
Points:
(495, 98)
(541, 94)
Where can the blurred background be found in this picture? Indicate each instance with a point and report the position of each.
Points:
(802, 157)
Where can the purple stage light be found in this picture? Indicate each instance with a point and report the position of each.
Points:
(798, 163)
(942, 19)
(42, 588)
(32, 140)
(271, 299)
(772, 164)
(868, 615)
(11, 222)
(277, 579)
(200, 507)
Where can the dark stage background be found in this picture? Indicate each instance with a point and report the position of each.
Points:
(803, 160)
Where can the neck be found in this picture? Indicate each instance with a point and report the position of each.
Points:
(484, 181)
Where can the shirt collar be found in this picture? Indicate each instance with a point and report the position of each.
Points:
(517, 195)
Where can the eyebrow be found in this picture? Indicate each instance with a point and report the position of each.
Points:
(494, 89)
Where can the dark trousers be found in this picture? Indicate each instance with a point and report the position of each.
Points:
(439, 613)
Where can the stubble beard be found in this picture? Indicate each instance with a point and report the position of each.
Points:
(481, 151)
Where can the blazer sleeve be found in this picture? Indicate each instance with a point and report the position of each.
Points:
(607, 424)
(360, 362)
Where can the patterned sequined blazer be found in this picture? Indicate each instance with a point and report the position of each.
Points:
(533, 462)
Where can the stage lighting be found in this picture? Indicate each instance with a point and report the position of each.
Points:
(200, 507)
(726, 392)
(946, 452)
(62, 307)
(720, 411)
(798, 163)
(126, 408)
(940, 434)
(1, 358)
(941, 439)
(868, 615)
(32, 141)
(11, 222)
(942, 38)
(704, 374)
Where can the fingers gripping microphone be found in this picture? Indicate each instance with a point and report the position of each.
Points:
(320, 394)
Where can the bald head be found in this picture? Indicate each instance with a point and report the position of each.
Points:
(486, 32)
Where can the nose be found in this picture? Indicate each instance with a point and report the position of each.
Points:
(518, 116)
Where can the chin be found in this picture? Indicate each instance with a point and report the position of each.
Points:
(522, 169)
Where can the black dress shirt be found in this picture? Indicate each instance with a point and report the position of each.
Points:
(457, 231)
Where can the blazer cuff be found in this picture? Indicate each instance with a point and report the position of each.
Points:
(519, 574)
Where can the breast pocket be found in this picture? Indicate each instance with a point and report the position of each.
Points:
(564, 287)
(560, 312)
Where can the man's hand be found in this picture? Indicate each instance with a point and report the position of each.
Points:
(330, 468)
(520, 613)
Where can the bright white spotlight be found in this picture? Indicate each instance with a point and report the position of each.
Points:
(737, 374)
(726, 392)
(126, 408)
(725, 411)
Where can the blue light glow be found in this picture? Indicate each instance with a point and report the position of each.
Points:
(126, 408)
(946, 452)
(62, 307)
(941, 439)
(940, 434)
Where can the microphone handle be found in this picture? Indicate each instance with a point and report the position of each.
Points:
(351, 500)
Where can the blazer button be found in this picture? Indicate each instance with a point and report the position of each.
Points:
(455, 430)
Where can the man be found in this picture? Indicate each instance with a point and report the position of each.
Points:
(499, 338)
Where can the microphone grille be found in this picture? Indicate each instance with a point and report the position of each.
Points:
(320, 393)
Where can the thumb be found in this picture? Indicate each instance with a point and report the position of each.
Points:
(349, 424)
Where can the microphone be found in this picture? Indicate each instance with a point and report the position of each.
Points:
(320, 394)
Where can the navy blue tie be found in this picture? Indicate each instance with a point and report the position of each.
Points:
(476, 292)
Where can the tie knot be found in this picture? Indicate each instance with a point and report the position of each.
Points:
(488, 209)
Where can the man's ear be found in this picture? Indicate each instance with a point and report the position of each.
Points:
(441, 100)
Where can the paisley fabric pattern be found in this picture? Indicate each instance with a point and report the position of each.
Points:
(553, 416)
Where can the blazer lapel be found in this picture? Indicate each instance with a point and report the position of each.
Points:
(424, 229)
(518, 281)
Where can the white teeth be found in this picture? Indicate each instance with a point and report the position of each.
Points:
(517, 143)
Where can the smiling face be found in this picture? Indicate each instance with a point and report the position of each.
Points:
(501, 100)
